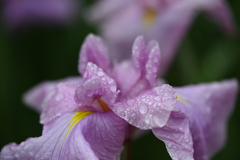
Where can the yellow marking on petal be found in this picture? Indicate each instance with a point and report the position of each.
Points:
(182, 101)
(79, 115)
(103, 105)
(149, 17)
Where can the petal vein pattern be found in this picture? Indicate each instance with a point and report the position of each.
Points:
(53, 144)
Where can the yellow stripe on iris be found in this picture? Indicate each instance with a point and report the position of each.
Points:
(79, 115)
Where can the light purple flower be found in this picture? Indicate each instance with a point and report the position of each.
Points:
(163, 20)
(28, 12)
(81, 116)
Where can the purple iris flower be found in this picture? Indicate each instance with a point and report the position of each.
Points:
(83, 117)
(28, 12)
(163, 20)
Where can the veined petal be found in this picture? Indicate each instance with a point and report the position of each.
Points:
(96, 84)
(177, 136)
(35, 96)
(60, 100)
(209, 106)
(73, 136)
(93, 50)
(54, 144)
(196, 128)
(105, 132)
(151, 109)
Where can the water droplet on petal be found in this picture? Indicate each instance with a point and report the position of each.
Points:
(160, 120)
(113, 88)
(143, 109)
(147, 121)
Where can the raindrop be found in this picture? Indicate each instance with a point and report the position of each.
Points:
(143, 109)
(160, 120)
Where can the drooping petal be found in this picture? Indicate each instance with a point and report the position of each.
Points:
(60, 100)
(105, 132)
(197, 125)
(150, 109)
(93, 50)
(209, 109)
(176, 135)
(35, 96)
(96, 84)
(97, 136)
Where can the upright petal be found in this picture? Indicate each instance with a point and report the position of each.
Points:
(93, 50)
(97, 136)
(151, 109)
(96, 84)
(176, 135)
(125, 76)
(139, 55)
(153, 63)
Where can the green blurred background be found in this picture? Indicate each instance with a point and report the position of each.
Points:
(29, 56)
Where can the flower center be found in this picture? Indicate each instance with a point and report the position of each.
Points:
(103, 105)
